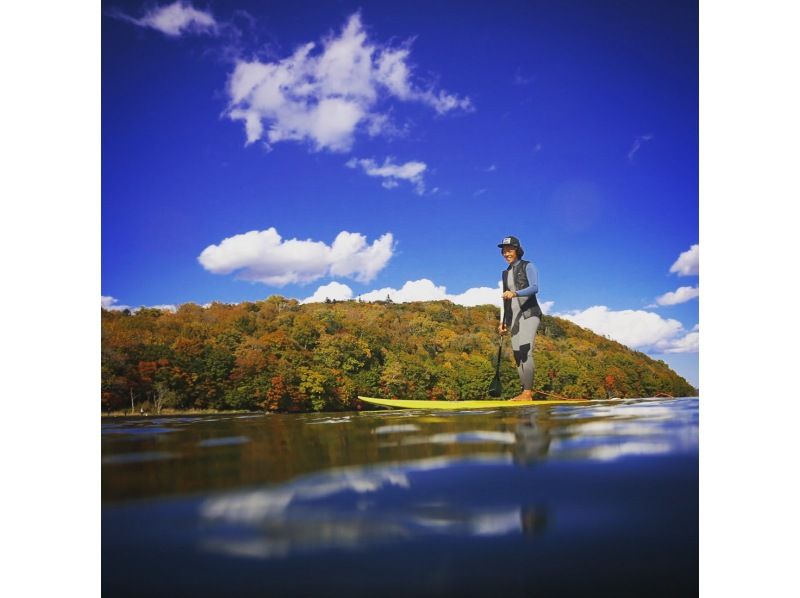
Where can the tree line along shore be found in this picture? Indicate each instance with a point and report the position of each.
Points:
(280, 355)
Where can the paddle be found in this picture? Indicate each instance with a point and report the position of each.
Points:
(495, 389)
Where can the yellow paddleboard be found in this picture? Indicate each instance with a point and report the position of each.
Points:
(458, 405)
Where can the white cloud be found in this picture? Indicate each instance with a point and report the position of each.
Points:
(688, 262)
(637, 329)
(417, 290)
(637, 144)
(689, 343)
(413, 290)
(165, 307)
(333, 291)
(325, 97)
(112, 304)
(425, 290)
(392, 173)
(477, 296)
(177, 19)
(681, 295)
(263, 256)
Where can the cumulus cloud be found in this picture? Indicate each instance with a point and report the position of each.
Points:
(333, 291)
(263, 256)
(112, 304)
(688, 262)
(416, 290)
(637, 329)
(392, 173)
(177, 19)
(425, 290)
(681, 295)
(637, 145)
(688, 343)
(413, 290)
(325, 96)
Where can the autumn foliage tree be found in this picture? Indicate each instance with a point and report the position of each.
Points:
(280, 355)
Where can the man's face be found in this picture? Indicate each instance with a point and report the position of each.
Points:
(509, 253)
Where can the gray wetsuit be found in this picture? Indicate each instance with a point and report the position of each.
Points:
(523, 334)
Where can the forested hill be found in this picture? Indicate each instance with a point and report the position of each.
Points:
(279, 355)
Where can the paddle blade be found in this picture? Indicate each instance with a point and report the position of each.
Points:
(495, 390)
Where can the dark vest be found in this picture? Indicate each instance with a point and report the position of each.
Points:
(530, 307)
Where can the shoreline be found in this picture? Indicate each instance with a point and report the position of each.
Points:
(179, 412)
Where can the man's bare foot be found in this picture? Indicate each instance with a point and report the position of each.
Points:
(525, 395)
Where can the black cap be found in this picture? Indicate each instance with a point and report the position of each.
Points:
(513, 242)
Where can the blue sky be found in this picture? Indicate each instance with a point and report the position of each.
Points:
(337, 149)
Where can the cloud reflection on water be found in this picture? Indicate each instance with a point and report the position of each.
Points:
(353, 507)
(475, 436)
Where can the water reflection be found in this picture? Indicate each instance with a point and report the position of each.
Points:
(473, 436)
(224, 441)
(396, 429)
(331, 420)
(122, 458)
(226, 452)
(405, 503)
(358, 507)
(137, 430)
(533, 438)
(627, 428)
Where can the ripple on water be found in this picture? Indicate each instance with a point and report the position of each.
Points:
(173, 420)
(223, 441)
(331, 420)
(138, 430)
(396, 429)
(125, 458)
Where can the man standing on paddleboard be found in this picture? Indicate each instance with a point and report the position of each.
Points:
(521, 313)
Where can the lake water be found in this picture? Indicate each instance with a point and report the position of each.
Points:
(590, 500)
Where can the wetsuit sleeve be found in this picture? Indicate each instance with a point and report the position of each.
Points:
(533, 281)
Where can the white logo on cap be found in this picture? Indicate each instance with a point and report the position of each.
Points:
(507, 241)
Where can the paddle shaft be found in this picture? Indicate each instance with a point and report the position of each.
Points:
(495, 388)
(500, 344)
(500, 347)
